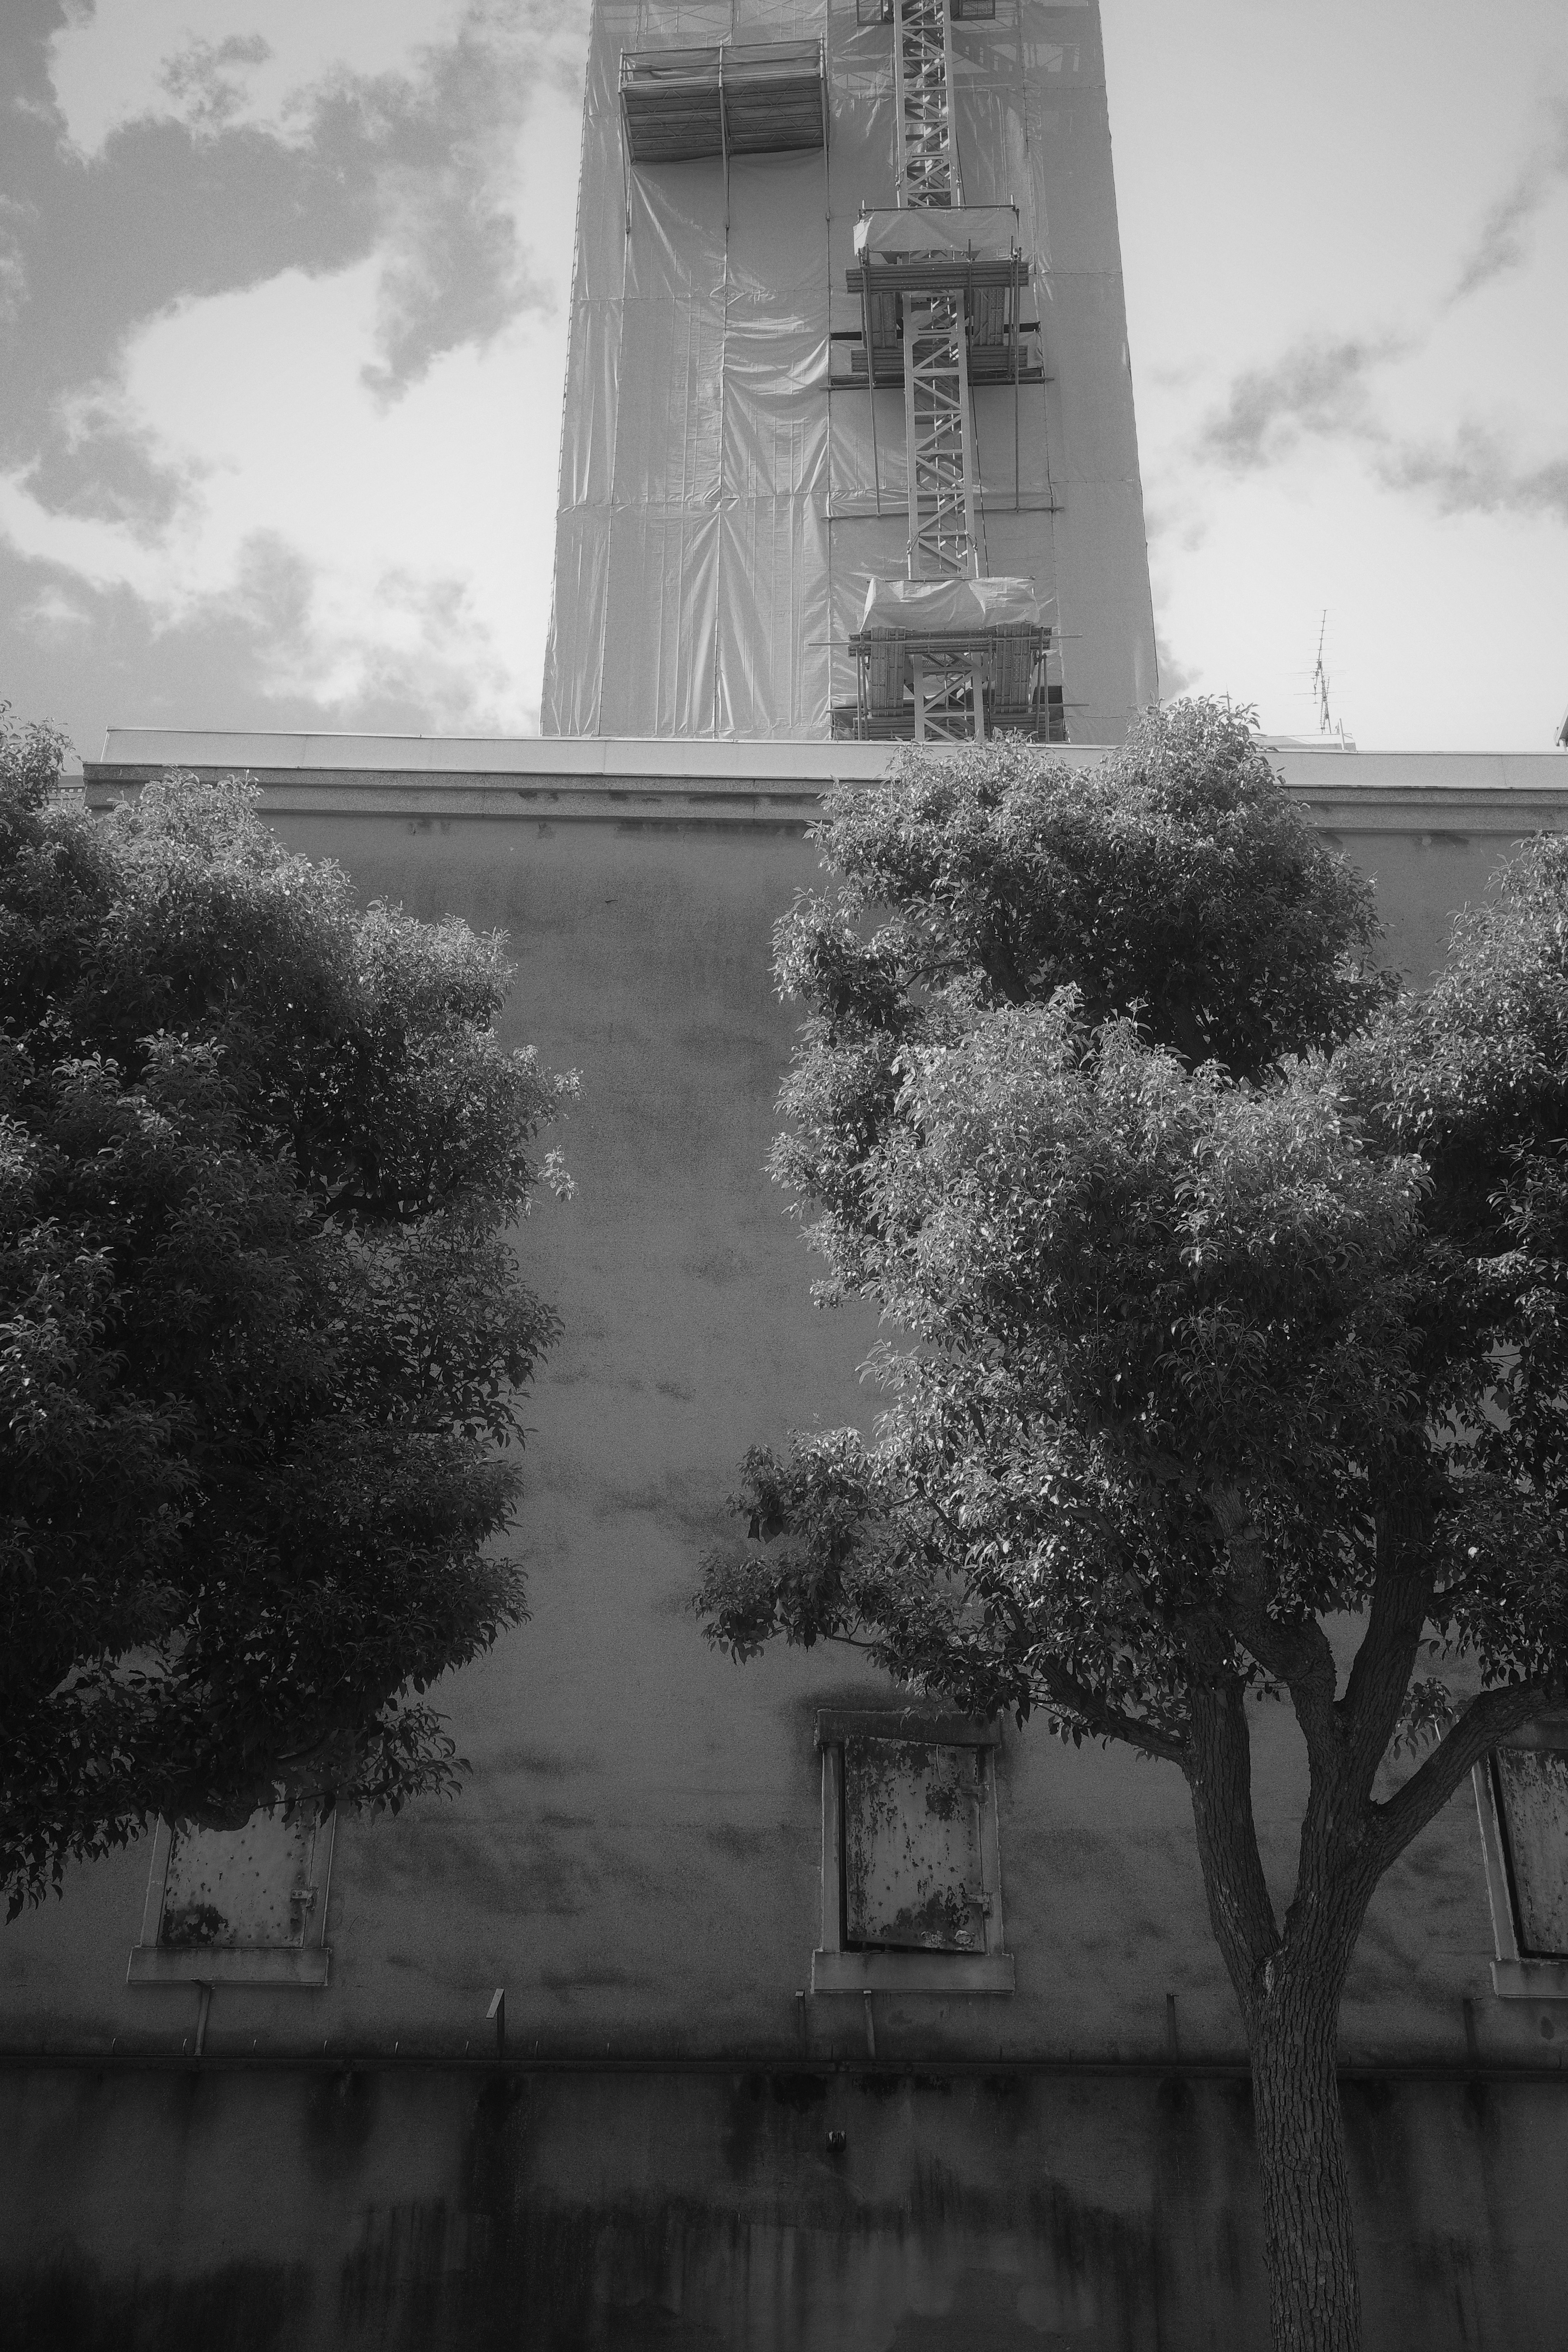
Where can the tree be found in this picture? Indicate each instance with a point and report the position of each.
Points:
(261, 1331)
(1236, 1288)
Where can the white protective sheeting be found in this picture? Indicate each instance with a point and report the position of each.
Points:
(934, 607)
(725, 498)
(977, 231)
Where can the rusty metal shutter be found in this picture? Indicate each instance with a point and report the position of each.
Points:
(1532, 1787)
(247, 1886)
(912, 1876)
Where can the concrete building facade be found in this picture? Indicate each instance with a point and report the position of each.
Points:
(681, 2128)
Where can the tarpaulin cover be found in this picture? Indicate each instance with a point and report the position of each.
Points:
(729, 486)
(932, 606)
(979, 232)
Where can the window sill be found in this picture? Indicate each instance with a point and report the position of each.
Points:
(163, 1964)
(952, 1972)
(1531, 1980)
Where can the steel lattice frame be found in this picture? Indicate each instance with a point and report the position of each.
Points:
(939, 432)
(939, 440)
(922, 74)
(949, 669)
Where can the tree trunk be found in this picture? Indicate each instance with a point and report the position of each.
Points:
(1292, 2030)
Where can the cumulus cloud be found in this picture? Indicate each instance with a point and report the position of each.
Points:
(1327, 394)
(212, 66)
(1343, 389)
(1176, 676)
(1501, 242)
(1476, 473)
(54, 611)
(455, 259)
(278, 255)
(13, 260)
(1346, 391)
(161, 163)
(206, 80)
(1318, 387)
(252, 503)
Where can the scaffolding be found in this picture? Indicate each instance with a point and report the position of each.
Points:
(938, 270)
(737, 98)
(946, 659)
(756, 206)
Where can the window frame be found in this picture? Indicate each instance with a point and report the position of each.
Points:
(835, 1968)
(1516, 1974)
(306, 1965)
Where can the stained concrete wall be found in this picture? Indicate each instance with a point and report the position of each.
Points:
(636, 1855)
(1010, 2210)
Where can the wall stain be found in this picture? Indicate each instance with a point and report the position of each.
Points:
(341, 2113)
(70, 2306)
(510, 2211)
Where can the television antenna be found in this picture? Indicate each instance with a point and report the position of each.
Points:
(1327, 723)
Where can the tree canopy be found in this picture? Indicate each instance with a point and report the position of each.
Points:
(262, 1331)
(1232, 1285)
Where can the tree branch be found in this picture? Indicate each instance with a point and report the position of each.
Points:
(1107, 1722)
(1486, 1720)
(1380, 1676)
(1297, 1654)
(1219, 1776)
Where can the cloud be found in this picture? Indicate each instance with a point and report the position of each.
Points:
(235, 483)
(454, 263)
(53, 610)
(420, 103)
(147, 168)
(1501, 243)
(1474, 473)
(100, 461)
(115, 64)
(1332, 389)
(1176, 676)
(206, 80)
(1318, 387)
(1325, 394)
(267, 272)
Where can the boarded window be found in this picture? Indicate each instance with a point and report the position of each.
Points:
(912, 1868)
(1531, 1790)
(251, 1886)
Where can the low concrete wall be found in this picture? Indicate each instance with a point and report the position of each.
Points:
(451, 2209)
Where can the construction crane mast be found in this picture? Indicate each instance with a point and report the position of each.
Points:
(939, 430)
(933, 660)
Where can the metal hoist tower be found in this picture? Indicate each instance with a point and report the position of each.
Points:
(938, 429)
(933, 664)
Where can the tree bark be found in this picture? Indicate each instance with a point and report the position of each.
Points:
(1314, 2303)
(1287, 1986)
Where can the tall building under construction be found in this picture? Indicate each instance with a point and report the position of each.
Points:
(782, 2008)
(848, 446)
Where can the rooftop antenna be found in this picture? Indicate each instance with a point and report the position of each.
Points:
(1327, 723)
(1320, 680)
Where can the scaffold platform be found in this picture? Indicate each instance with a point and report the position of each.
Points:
(919, 686)
(945, 661)
(739, 97)
(963, 11)
(972, 251)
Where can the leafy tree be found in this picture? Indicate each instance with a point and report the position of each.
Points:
(261, 1332)
(1237, 1294)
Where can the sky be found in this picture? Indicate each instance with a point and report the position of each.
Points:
(283, 333)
